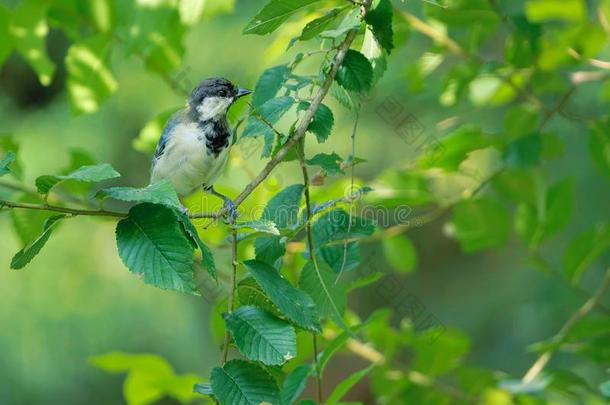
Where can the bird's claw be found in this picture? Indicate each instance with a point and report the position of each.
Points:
(230, 210)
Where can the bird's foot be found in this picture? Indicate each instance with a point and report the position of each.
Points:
(231, 210)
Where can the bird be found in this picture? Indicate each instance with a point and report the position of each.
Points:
(194, 146)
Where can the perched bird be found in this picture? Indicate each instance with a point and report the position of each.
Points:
(195, 143)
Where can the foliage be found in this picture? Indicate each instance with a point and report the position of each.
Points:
(290, 261)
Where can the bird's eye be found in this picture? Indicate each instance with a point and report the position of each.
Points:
(222, 93)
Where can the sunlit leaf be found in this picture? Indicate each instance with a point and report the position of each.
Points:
(161, 192)
(379, 18)
(90, 174)
(315, 27)
(270, 17)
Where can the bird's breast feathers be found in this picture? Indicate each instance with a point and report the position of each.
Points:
(194, 155)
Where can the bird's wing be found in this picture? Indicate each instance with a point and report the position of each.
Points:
(165, 135)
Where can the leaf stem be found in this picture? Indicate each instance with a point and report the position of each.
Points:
(565, 330)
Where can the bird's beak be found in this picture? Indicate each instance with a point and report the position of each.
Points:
(243, 92)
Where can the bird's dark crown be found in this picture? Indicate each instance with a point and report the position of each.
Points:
(212, 87)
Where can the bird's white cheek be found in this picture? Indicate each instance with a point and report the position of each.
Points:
(213, 107)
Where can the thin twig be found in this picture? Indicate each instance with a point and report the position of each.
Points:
(65, 210)
(565, 330)
(232, 287)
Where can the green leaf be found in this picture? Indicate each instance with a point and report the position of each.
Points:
(250, 293)
(207, 257)
(90, 174)
(599, 147)
(455, 148)
(268, 84)
(28, 31)
(342, 96)
(6, 161)
(372, 50)
(320, 282)
(334, 224)
(153, 245)
(29, 251)
(271, 111)
(28, 223)
(330, 163)
(262, 226)
(365, 281)
(584, 249)
(351, 21)
(90, 80)
(295, 304)
(538, 11)
(480, 224)
(337, 343)
(161, 192)
(283, 208)
(344, 386)
(315, 27)
(8, 144)
(604, 388)
(322, 123)
(269, 249)
(379, 18)
(295, 383)
(274, 14)
(341, 259)
(240, 382)
(260, 336)
(355, 73)
(400, 253)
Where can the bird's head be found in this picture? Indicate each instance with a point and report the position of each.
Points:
(212, 97)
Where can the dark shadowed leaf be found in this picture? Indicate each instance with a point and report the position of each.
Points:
(283, 208)
(355, 73)
(322, 123)
(584, 249)
(320, 283)
(154, 246)
(207, 258)
(269, 249)
(380, 19)
(240, 382)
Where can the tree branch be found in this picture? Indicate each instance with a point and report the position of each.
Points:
(565, 330)
(55, 208)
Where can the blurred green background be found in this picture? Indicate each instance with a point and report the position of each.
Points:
(77, 300)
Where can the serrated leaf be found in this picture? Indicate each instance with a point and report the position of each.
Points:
(268, 84)
(320, 282)
(479, 224)
(269, 249)
(261, 336)
(334, 224)
(355, 73)
(272, 110)
(283, 208)
(455, 148)
(329, 163)
(295, 304)
(342, 96)
(270, 17)
(6, 161)
(250, 293)
(89, 174)
(153, 245)
(344, 386)
(584, 249)
(372, 50)
(25, 255)
(161, 192)
(317, 26)
(379, 18)
(90, 80)
(322, 123)
(295, 383)
(207, 258)
(241, 383)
